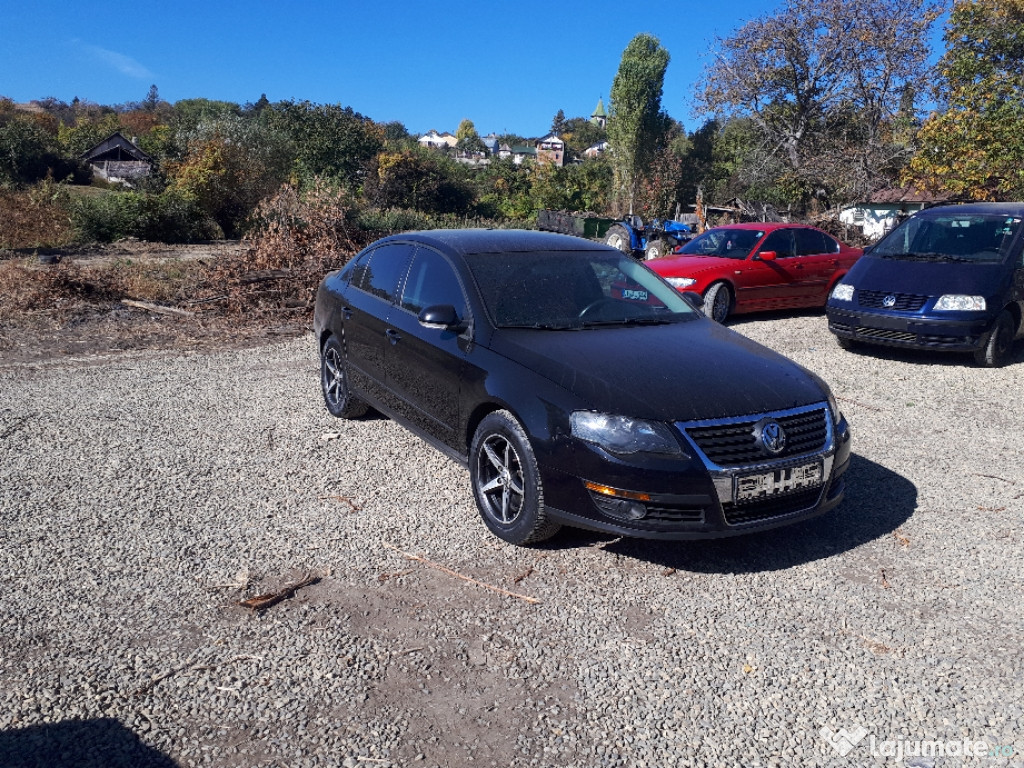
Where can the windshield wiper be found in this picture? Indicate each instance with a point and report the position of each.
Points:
(628, 321)
(922, 256)
(543, 326)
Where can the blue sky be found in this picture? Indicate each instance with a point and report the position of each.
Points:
(426, 64)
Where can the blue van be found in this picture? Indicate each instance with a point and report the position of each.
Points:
(948, 278)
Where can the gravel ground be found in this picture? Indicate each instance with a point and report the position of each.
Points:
(144, 495)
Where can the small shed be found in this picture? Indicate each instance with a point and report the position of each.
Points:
(118, 160)
(887, 207)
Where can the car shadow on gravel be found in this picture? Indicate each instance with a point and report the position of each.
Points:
(926, 357)
(877, 502)
(100, 743)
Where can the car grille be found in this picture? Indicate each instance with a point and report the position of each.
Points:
(905, 302)
(886, 335)
(674, 514)
(734, 443)
(766, 509)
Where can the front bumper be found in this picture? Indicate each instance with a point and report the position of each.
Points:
(697, 499)
(953, 334)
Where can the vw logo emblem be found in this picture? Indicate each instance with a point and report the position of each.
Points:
(889, 300)
(772, 436)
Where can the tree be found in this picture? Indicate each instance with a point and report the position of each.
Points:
(423, 181)
(152, 99)
(331, 140)
(558, 123)
(26, 150)
(467, 139)
(636, 123)
(579, 134)
(825, 84)
(229, 165)
(975, 147)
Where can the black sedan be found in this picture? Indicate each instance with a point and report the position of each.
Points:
(578, 387)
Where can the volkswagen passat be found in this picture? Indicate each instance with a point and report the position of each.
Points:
(578, 387)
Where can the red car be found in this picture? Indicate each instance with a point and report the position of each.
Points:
(752, 267)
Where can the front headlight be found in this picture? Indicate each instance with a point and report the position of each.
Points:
(957, 302)
(680, 282)
(623, 435)
(834, 407)
(843, 292)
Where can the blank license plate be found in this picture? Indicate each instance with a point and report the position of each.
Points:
(778, 481)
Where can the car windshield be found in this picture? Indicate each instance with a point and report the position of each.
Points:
(951, 237)
(724, 242)
(573, 290)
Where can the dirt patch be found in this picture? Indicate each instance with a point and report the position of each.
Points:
(88, 328)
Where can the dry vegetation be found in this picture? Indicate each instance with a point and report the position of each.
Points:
(295, 240)
(266, 286)
(34, 218)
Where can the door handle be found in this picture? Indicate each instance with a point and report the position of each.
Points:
(393, 335)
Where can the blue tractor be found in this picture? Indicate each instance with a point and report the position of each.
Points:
(658, 238)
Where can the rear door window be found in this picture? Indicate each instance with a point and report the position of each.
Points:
(383, 273)
(810, 242)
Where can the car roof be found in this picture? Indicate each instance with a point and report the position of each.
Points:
(764, 226)
(467, 241)
(1008, 209)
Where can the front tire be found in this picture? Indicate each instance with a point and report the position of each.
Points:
(618, 237)
(506, 481)
(1000, 341)
(334, 383)
(718, 302)
(655, 250)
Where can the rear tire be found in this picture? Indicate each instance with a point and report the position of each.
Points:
(1000, 341)
(506, 481)
(334, 383)
(618, 237)
(718, 302)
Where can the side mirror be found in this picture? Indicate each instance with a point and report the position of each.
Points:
(767, 255)
(694, 299)
(441, 316)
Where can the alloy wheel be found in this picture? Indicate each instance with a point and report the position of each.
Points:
(500, 479)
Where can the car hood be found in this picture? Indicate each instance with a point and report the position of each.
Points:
(925, 278)
(687, 266)
(676, 372)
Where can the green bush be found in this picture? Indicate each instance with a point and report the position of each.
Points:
(168, 217)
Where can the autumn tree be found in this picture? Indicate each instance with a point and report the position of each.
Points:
(467, 139)
(974, 147)
(636, 123)
(229, 165)
(579, 133)
(826, 84)
(424, 181)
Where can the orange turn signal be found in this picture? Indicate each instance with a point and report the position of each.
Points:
(606, 490)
